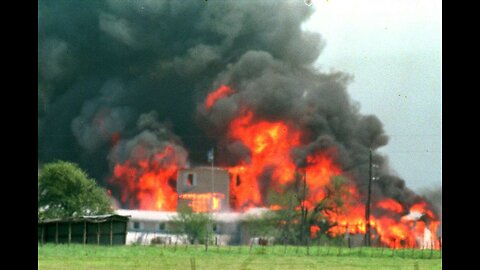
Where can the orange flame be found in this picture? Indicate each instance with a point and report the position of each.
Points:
(313, 231)
(203, 202)
(275, 207)
(270, 144)
(391, 205)
(220, 93)
(145, 184)
(422, 208)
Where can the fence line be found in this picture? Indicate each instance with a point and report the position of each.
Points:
(325, 250)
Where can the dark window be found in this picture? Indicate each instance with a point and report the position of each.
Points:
(161, 226)
(215, 227)
(190, 180)
(136, 225)
(238, 180)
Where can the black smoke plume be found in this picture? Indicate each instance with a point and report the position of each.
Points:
(105, 68)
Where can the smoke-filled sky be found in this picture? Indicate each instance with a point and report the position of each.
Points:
(393, 50)
(124, 80)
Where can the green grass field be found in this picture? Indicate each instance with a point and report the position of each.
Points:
(234, 257)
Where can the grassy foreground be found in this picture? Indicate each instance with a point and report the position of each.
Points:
(234, 257)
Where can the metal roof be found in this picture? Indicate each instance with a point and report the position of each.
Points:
(94, 219)
(202, 168)
(148, 215)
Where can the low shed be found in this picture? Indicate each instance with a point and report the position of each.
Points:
(99, 230)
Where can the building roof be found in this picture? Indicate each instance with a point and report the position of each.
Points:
(148, 215)
(94, 219)
(204, 168)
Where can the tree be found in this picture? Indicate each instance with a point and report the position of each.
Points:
(286, 215)
(294, 220)
(336, 192)
(65, 190)
(263, 225)
(194, 225)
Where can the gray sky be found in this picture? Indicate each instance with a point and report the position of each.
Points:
(393, 50)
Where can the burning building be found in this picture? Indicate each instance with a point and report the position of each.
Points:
(203, 189)
(147, 227)
(143, 104)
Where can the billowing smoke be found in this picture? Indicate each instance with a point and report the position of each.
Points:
(114, 75)
(316, 103)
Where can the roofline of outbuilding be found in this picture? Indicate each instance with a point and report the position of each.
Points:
(93, 219)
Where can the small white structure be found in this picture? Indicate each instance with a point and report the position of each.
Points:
(146, 227)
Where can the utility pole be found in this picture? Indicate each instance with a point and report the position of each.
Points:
(303, 208)
(367, 206)
(213, 192)
(211, 158)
